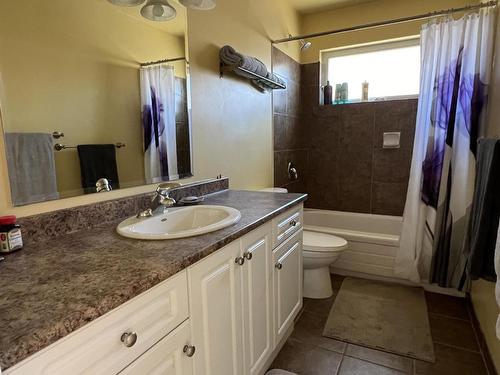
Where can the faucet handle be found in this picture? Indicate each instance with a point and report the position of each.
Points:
(165, 187)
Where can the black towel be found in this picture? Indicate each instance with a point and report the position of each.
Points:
(97, 161)
(485, 211)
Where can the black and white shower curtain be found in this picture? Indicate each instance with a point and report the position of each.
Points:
(456, 67)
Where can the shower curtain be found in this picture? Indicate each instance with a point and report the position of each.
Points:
(158, 123)
(456, 61)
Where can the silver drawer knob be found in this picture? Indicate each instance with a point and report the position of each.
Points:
(248, 255)
(240, 261)
(278, 266)
(189, 350)
(129, 339)
(293, 223)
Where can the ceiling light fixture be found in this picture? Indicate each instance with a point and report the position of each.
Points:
(199, 4)
(127, 3)
(158, 10)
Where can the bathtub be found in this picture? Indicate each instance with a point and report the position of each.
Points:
(373, 240)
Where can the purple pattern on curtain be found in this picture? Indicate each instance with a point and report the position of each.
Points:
(153, 128)
(454, 95)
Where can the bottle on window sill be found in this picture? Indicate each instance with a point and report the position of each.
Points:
(327, 93)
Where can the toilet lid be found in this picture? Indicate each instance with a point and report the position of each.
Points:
(317, 241)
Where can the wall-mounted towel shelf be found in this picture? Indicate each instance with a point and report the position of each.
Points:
(60, 146)
(224, 68)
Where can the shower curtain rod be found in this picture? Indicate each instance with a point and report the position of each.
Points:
(388, 22)
(163, 61)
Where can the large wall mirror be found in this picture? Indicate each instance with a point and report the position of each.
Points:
(94, 96)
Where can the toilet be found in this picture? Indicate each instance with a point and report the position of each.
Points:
(319, 251)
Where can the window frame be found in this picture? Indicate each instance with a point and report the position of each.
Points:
(325, 55)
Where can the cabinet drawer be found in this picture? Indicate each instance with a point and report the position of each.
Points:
(286, 224)
(167, 357)
(97, 347)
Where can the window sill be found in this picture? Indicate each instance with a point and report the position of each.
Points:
(375, 100)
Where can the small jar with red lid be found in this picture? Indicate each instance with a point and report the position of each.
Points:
(10, 235)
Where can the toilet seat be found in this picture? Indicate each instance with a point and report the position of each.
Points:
(317, 242)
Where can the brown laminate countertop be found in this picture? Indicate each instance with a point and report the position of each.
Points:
(51, 289)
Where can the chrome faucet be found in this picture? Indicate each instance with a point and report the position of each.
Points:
(161, 200)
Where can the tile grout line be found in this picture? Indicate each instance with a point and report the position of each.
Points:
(449, 317)
(458, 347)
(380, 365)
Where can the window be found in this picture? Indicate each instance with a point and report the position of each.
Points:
(391, 69)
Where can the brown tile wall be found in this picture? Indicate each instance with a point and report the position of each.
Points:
(290, 140)
(338, 149)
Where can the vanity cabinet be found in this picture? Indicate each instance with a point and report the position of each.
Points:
(225, 315)
(287, 260)
(173, 355)
(110, 343)
(244, 298)
(215, 299)
(257, 299)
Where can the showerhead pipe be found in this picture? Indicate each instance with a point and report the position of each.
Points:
(304, 45)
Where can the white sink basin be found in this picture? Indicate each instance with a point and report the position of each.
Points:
(180, 223)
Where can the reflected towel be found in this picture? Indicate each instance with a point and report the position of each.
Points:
(32, 167)
(96, 162)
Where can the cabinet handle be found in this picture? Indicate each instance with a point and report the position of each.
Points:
(293, 223)
(278, 265)
(239, 261)
(129, 339)
(248, 255)
(189, 350)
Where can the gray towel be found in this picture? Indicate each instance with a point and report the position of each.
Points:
(485, 212)
(32, 168)
(229, 56)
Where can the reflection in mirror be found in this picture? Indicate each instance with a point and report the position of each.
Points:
(94, 97)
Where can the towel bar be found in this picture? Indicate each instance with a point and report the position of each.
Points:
(228, 68)
(60, 146)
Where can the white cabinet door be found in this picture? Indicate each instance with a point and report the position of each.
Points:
(167, 357)
(257, 298)
(216, 314)
(287, 283)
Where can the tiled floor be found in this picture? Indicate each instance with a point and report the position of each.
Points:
(307, 352)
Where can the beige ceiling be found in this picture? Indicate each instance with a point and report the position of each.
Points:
(176, 26)
(314, 6)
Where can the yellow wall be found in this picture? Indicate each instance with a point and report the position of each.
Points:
(486, 309)
(366, 13)
(232, 123)
(78, 73)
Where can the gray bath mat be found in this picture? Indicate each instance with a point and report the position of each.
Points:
(383, 316)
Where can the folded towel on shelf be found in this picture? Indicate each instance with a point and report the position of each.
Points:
(32, 167)
(229, 56)
(485, 212)
(96, 162)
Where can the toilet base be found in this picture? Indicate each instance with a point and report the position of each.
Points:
(317, 283)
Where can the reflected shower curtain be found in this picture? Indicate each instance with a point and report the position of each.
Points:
(158, 123)
(456, 67)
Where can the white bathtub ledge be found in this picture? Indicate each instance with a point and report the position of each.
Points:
(358, 236)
